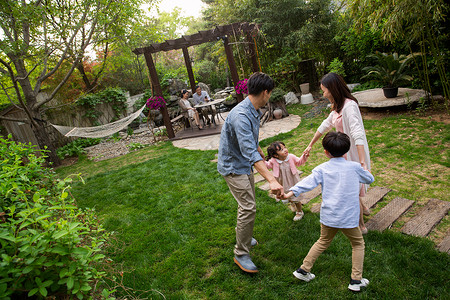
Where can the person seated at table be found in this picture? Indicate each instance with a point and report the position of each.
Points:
(188, 110)
(201, 97)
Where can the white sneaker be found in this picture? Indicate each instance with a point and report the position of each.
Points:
(299, 215)
(356, 285)
(303, 275)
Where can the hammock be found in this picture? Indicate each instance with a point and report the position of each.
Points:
(98, 131)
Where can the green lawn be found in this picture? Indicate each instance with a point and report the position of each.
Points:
(174, 219)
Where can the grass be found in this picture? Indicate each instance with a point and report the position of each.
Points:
(174, 218)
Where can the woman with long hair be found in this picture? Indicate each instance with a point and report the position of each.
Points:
(345, 117)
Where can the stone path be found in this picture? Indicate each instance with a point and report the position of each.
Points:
(425, 220)
(389, 214)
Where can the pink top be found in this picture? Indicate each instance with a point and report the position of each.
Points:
(337, 119)
(293, 162)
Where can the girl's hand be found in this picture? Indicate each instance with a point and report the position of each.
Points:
(307, 150)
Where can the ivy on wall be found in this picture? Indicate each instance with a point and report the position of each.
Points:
(113, 96)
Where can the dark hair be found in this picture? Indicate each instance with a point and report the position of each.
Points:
(338, 89)
(259, 82)
(196, 87)
(337, 143)
(183, 92)
(273, 149)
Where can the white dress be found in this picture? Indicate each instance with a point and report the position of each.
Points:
(188, 105)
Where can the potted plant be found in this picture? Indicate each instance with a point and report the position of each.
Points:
(277, 104)
(390, 71)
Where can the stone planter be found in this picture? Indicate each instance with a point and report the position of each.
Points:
(278, 113)
(305, 88)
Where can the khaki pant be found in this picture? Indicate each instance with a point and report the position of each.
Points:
(242, 187)
(326, 237)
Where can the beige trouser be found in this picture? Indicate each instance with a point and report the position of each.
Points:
(326, 237)
(242, 187)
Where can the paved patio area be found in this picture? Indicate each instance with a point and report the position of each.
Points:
(211, 142)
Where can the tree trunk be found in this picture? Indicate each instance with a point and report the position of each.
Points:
(44, 142)
(43, 139)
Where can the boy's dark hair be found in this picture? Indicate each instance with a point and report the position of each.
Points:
(273, 149)
(337, 143)
(196, 87)
(259, 82)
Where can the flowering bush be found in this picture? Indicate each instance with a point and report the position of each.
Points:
(155, 102)
(241, 87)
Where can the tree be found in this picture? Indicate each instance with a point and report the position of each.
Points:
(39, 36)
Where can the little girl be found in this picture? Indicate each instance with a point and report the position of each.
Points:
(284, 169)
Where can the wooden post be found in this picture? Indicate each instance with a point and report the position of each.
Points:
(252, 52)
(158, 92)
(232, 65)
(187, 61)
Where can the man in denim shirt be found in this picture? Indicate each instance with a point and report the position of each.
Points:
(239, 152)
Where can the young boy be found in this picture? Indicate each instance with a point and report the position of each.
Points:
(340, 180)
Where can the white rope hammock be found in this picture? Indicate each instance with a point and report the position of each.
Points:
(98, 131)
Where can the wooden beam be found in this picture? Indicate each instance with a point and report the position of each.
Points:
(187, 61)
(232, 65)
(198, 38)
(158, 92)
(252, 52)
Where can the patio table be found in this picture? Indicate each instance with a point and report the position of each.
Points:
(209, 104)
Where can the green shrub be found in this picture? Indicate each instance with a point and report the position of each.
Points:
(49, 246)
(114, 96)
(277, 95)
(336, 66)
(366, 86)
(76, 148)
(135, 146)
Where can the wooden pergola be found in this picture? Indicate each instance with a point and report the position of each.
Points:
(219, 32)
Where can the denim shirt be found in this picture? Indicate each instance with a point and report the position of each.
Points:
(340, 191)
(238, 148)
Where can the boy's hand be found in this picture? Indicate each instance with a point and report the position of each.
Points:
(285, 196)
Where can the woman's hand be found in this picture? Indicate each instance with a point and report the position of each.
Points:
(363, 165)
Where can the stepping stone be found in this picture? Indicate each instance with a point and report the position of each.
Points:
(444, 246)
(308, 196)
(316, 207)
(265, 186)
(428, 217)
(258, 178)
(389, 214)
(374, 195)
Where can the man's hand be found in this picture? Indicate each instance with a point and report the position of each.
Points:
(276, 188)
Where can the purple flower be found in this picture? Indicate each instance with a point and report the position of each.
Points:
(241, 87)
(155, 102)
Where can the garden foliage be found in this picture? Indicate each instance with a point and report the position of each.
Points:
(49, 246)
(76, 148)
(114, 96)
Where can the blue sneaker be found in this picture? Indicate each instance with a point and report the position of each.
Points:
(245, 263)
